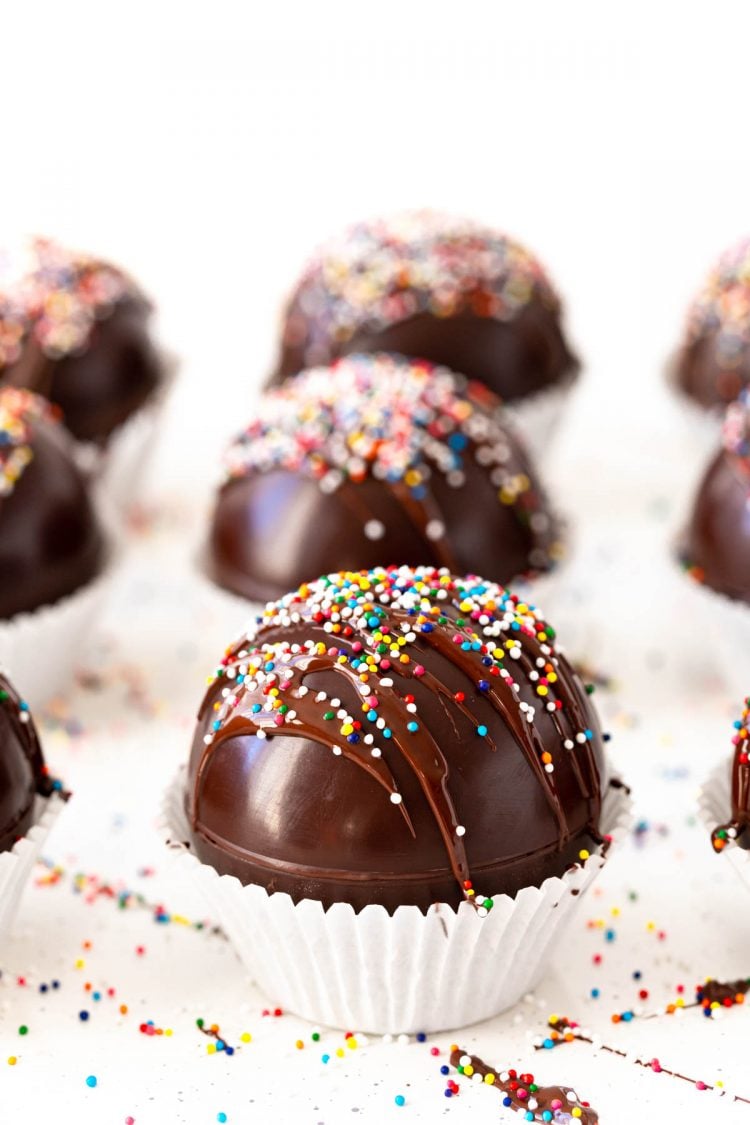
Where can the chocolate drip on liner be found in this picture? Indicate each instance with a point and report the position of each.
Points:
(736, 830)
(418, 748)
(522, 1093)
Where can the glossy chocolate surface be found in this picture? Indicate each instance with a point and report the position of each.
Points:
(713, 364)
(76, 330)
(477, 507)
(365, 745)
(22, 770)
(737, 830)
(50, 539)
(514, 358)
(434, 287)
(101, 386)
(716, 543)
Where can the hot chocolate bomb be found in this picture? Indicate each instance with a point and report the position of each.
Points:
(376, 461)
(396, 736)
(50, 539)
(713, 364)
(433, 287)
(23, 774)
(75, 329)
(716, 545)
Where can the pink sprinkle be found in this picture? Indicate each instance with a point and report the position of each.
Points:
(129, 1120)
(419, 670)
(555, 1104)
(372, 700)
(357, 646)
(434, 1050)
(656, 1066)
(522, 1094)
(701, 1086)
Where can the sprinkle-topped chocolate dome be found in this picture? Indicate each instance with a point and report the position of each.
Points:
(714, 363)
(434, 287)
(371, 461)
(50, 539)
(716, 546)
(23, 773)
(397, 736)
(736, 831)
(75, 329)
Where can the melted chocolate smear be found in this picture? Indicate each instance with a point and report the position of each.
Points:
(521, 1093)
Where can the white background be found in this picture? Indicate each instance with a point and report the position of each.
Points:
(207, 149)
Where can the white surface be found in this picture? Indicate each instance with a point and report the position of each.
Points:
(208, 153)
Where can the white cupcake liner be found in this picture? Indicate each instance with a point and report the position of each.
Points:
(16, 865)
(537, 419)
(39, 650)
(715, 808)
(726, 622)
(119, 469)
(405, 972)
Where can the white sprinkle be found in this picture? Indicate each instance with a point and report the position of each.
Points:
(336, 750)
(260, 733)
(396, 798)
(376, 752)
(460, 830)
(435, 529)
(568, 744)
(374, 529)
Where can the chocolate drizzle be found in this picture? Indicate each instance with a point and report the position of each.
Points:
(401, 633)
(736, 830)
(521, 1092)
(23, 773)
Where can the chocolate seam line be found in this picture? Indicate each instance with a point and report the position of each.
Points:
(423, 762)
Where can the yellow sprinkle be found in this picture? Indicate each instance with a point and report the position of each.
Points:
(650, 926)
(584, 854)
(210, 1048)
(79, 963)
(299, 1044)
(575, 1111)
(167, 1031)
(246, 1037)
(489, 1078)
(468, 1070)
(340, 1052)
(351, 1043)
(12, 1060)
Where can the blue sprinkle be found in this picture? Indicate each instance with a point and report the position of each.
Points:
(83, 1016)
(42, 987)
(400, 1099)
(372, 715)
(595, 993)
(484, 685)
(387, 732)
(421, 1037)
(97, 996)
(216, 724)
(412, 727)
(637, 974)
(373, 622)
(352, 737)
(627, 1016)
(269, 666)
(229, 1050)
(466, 647)
(325, 1058)
(458, 442)
(610, 935)
(548, 1044)
(445, 1070)
(256, 708)
(507, 1101)
(589, 734)
(91, 1081)
(427, 627)
(481, 730)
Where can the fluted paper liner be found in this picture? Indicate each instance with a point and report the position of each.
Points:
(726, 622)
(39, 649)
(16, 865)
(405, 972)
(119, 469)
(715, 807)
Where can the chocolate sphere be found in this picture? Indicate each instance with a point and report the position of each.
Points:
(50, 539)
(22, 770)
(373, 461)
(713, 364)
(433, 287)
(716, 542)
(736, 831)
(76, 330)
(397, 736)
